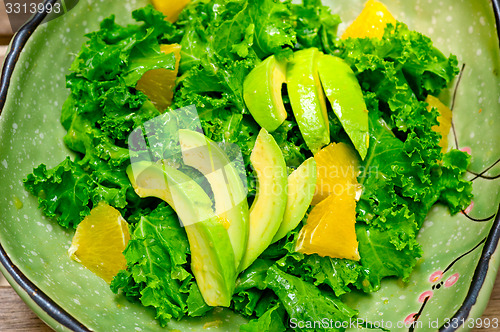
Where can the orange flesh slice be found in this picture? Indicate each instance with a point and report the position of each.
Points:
(330, 229)
(337, 168)
(170, 8)
(371, 22)
(100, 240)
(159, 84)
(444, 120)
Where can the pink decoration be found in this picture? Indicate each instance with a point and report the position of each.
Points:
(410, 319)
(424, 296)
(466, 149)
(436, 276)
(451, 280)
(469, 208)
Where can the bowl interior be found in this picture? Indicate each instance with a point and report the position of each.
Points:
(30, 134)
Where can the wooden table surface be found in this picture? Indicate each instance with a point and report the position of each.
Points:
(15, 314)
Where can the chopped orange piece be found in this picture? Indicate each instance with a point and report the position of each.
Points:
(371, 22)
(330, 230)
(337, 168)
(159, 84)
(444, 120)
(99, 242)
(170, 8)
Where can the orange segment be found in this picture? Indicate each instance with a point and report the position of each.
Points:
(337, 168)
(329, 230)
(159, 84)
(170, 8)
(444, 120)
(371, 22)
(99, 242)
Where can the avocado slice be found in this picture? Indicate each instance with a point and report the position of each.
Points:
(230, 194)
(268, 208)
(262, 93)
(344, 93)
(307, 98)
(212, 257)
(301, 187)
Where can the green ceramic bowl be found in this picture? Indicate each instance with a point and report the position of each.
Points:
(454, 278)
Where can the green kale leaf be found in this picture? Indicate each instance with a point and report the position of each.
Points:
(316, 26)
(271, 320)
(64, 192)
(157, 258)
(305, 302)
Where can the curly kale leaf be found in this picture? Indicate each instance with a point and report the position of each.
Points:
(316, 25)
(157, 272)
(305, 302)
(64, 192)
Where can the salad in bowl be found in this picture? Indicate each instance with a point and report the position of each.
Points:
(242, 164)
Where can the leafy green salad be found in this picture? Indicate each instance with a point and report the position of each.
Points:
(189, 270)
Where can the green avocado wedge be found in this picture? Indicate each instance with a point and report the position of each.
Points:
(212, 257)
(49, 53)
(307, 98)
(301, 187)
(346, 98)
(268, 208)
(230, 198)
(262, 93)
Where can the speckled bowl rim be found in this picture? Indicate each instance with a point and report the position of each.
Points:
(53, 311)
